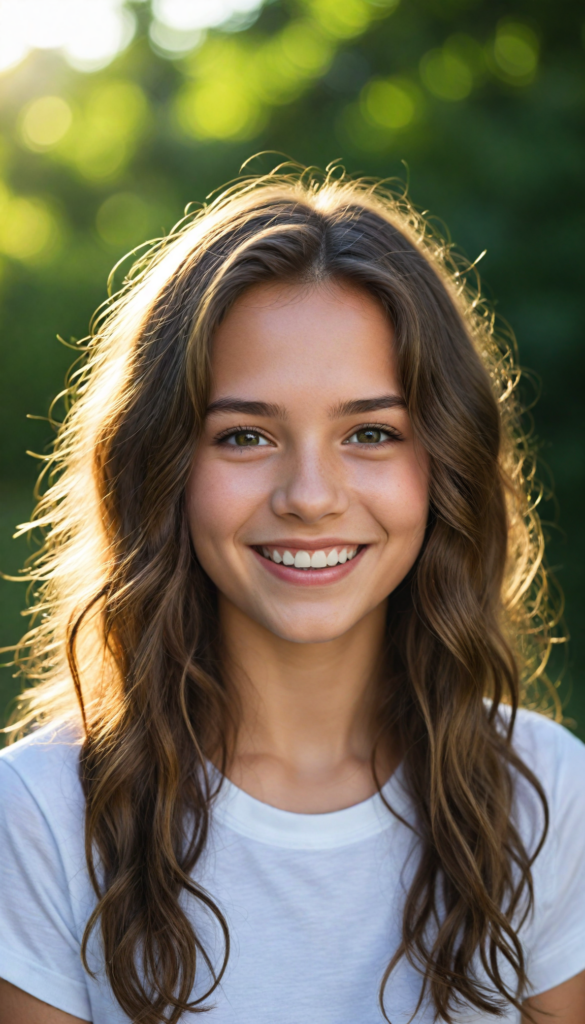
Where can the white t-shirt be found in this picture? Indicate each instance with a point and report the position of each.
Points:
(313, 901)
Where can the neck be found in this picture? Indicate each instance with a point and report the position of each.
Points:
(305, 735)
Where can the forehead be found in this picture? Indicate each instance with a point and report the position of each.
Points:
(331, 337)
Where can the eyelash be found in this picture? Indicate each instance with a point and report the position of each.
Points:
(393, 435)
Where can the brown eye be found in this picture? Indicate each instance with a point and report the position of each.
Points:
(369, 435)
(245, 439)
(372, 436)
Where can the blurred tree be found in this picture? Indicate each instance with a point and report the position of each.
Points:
(478, 104)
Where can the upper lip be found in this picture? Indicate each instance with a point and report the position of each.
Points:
(309, 545)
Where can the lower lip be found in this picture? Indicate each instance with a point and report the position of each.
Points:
(310, 577)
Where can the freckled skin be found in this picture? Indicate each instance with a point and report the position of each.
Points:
(307, 349)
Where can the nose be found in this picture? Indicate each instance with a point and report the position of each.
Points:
(311, 489)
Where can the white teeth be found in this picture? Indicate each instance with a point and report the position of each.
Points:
(311, 560)
(318, 560)
(302, 560)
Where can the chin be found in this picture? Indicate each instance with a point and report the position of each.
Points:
(308, 630)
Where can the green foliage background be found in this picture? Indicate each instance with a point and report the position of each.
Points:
(479, 103)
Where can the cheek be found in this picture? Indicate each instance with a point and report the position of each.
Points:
(208, 506)
(411, 501)
(397, 494)
(220, 499)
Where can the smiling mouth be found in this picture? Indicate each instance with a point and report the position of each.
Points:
(298, 558)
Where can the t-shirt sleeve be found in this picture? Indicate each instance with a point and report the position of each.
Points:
(558, 946)
(39, 948)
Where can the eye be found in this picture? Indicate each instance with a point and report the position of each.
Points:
(371, 435)
(244, 439)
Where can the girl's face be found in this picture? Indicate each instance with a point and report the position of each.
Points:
(307, 459)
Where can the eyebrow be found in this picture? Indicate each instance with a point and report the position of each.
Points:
(247, 408)
(356, 407)
(362, 405)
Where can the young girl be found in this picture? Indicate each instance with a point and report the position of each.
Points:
(290, 602)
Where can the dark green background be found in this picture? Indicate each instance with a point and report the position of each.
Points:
(499, 161)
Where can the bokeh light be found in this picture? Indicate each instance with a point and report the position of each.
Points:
(45, 121)
(389, 103)
(189, 16)
(446, 75)
(123, 219)
(516, 52)
(28, 229)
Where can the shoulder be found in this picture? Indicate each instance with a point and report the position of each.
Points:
(45, 892)
(555, 940)
(43, 770)
(556, 758)
(554, 754)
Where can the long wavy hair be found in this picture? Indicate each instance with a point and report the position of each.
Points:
(125, 635)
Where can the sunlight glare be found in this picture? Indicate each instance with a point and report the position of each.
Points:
(88, 32)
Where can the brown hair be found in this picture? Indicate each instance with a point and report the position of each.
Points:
(126, 616)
